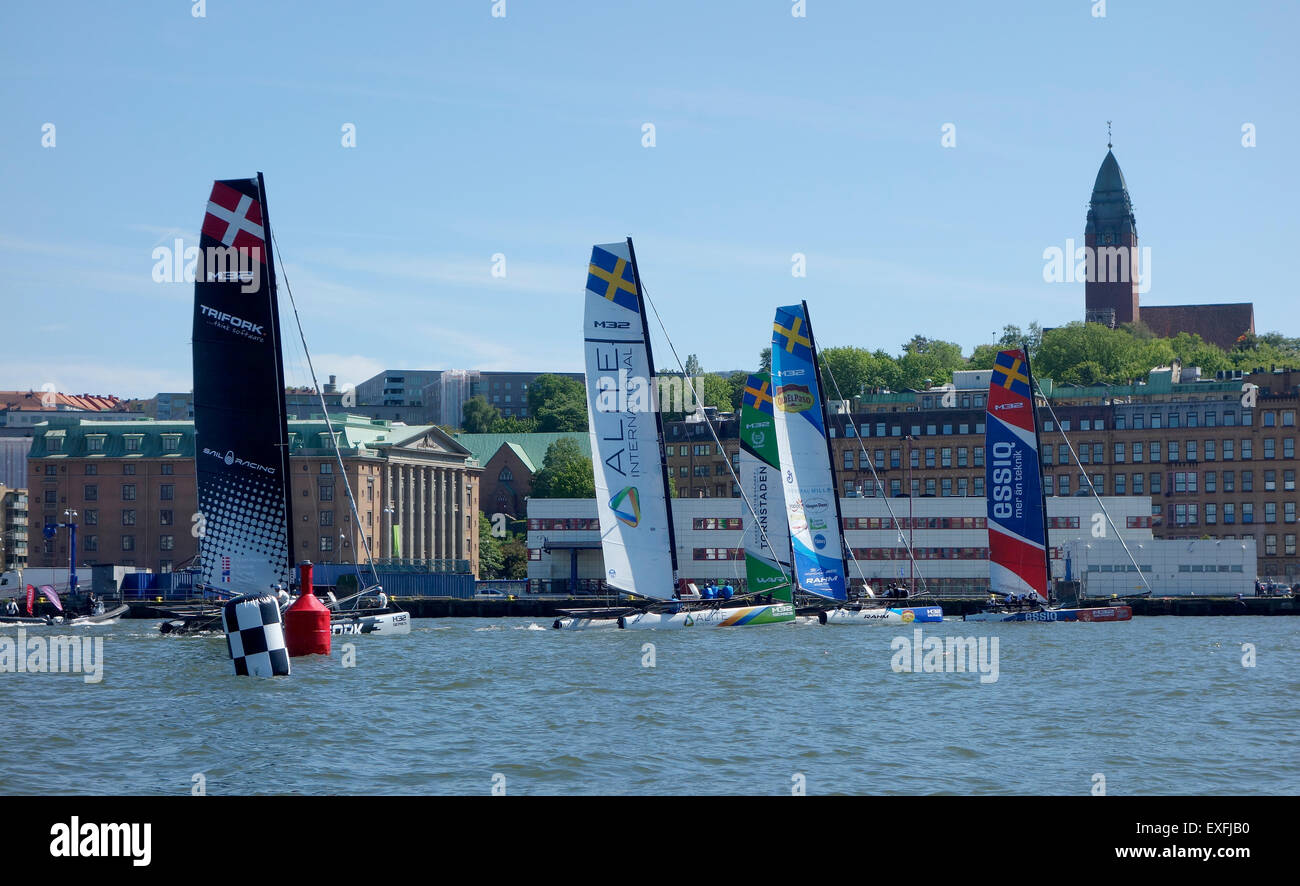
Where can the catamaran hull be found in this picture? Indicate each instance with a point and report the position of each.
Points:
(387, 624)
(736, 616)
(914, 615)
(569, 623)
(1106, 613)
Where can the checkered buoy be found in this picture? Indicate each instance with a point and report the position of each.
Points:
(307, 621)
(255, 636)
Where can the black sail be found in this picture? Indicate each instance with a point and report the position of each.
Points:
(241, 447)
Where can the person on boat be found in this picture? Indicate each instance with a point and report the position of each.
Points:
(383, 599)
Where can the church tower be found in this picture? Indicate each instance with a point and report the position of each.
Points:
(1111, 289)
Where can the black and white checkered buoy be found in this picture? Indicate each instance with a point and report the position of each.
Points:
(255, 636)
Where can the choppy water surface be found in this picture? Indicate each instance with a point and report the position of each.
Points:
(1158, 705)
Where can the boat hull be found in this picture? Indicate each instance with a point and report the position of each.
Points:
(569, 623)
(387, 623)
(902, 616)
(1104, 613)
(734, 616)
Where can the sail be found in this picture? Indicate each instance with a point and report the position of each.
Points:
(1016, 515)
(808, 480)
(766, 536)
(626, 440)
(241, 456)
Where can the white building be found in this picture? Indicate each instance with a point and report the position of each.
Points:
(949, 537)
(1171, 567)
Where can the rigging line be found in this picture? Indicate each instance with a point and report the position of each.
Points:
(712, 431)
(1091, 487)
(871, 464)
(329, 425)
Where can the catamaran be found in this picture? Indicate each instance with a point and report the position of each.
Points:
(631, 477)
(807, 468)
(1019, 565)
(241, 435)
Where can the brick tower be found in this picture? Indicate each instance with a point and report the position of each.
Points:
(1111, 289)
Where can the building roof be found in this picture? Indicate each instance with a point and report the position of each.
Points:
(1219, 325)
(54, 401)
(531, 448)
(1110, 210)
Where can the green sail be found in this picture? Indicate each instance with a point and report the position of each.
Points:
(766, 535)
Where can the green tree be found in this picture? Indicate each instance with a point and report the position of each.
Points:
(1192, 350)
(489, 550)
(715, 390)
(983, 357)
(765, 360)
(565, 473)
(693, 368)
(479, 415)
(1066, 347)
(737, 381)
(513, 424)
(558, 403)
(927, 362)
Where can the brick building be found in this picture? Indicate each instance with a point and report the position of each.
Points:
(132, 486)
(510, 461)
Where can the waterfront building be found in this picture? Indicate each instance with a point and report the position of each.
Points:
(132, 486)
(510, 461)
(438, 396)
(13, 528)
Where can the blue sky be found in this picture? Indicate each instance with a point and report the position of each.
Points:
(522, 135)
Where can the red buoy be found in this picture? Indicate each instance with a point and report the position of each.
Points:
(307, 622)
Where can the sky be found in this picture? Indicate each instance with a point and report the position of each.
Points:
(523, 136)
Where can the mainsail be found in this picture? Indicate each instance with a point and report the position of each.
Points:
(808, 479)
(1016, 509)
(241, 450)
(766, 536)
(636, 529)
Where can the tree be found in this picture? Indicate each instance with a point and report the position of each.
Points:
(927, 362)
(765, 360)
(851, 370)
(737, 381)
(715, 390)
(479, 415)
(693, 366)
(984, 356)
(489, 550)
(513, 424)
(514, 558)
(558, 403)
(565, 473)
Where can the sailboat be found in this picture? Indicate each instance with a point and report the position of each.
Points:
(241, 435)
(812, 503)
(1019, 565)
(630, 468)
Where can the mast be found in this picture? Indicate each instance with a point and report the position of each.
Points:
(659, 421)
(830, 451)
(278, 351)
(1042, 487)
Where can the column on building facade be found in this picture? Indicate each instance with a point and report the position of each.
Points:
(438, 514)
(387, 500)
(449, 515)
(461, 511)
(430, 512)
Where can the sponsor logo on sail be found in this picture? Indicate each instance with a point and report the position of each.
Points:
(758, 438)
(231, 323)
(626, 505)
(230, 458)
(819, 541)
(794, 398)
(908, 616)
(1017, 405)
(798, 520)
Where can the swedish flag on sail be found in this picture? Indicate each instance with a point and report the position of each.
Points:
(758, 394)
(611, 276)
(1009, 371)
(790, 333)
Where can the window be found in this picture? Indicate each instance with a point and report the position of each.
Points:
(167, 470)
(1192, 451)
(166, 542)
(1229, 513)
(95, 442)
(979, 487)
(1211, 481)
(1137, 453)
(945, 488)
(128, 470)
(1155, 451)
(848, 459)
(1173, 419)
(326, 468)
(916, 458)
(1268, 447)
(326, 491)
(1174, 453)
(1288, 481)
(1247, 449)
(1210, 450)
(1138, 483)
(929, 486)
(895, 488)
(1099, 483)
(132, 443)
(1063, 484)
(1120, 423)
(1270, 512)
(979, 457)
(1229, 481)
(1288, 418)
(1270, 546)
(1288, 447)
(1119, 484)
(1119, 453)
(51, 497)
(864, 460)
(963, 486)
(929, 458)
(91, 492)
(91, 516)
(1192, 419)
(90, 543)
(1229, 418)
(1289, 548)
(894, 458)
(128, 542)
(128, 517)
(166, 518)
(171, 442)
(505, 476)
(1211, 513)
(1211, 419)
(92, 470)
(128, 492)
(327, 542)
(1270, 481)
(327, 518)
(51, 470)
(1137, 421)
(1098, 453)
(945, 457)
(1085, 424)
(166, 492)
(1155, 420)
(1270, 419)
(1247, 512)
(1155, 484)
(1047, 455)
(1247, 481)
(1228, 450)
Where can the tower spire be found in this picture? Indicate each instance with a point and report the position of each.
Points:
(1108, 144)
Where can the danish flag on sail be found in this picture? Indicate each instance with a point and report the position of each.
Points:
(234, 218)
(1017, 521)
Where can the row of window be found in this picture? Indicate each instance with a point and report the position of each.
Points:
(1189, 514)
(130, 442)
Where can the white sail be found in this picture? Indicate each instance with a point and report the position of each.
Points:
(626, 445)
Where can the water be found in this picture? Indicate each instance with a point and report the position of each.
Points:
(1156, 706)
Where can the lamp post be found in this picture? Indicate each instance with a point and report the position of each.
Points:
(71, 525)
